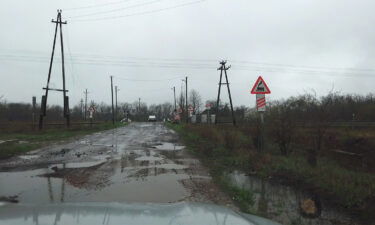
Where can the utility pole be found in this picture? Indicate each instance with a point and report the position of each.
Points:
(186, 96)
(139, 105)
(85, 103)
(34, 111)
(174, 93)
(113, 110)
(224, 69)
(116, 90)
(82, 114)
(43, 109)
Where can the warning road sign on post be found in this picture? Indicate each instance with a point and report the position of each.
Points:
(260, 87)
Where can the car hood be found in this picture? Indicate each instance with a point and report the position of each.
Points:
(123, 213)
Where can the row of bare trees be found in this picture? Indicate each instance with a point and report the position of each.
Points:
(312, 116)
(137, 111)
(10, 112)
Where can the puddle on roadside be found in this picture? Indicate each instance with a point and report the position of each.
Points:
(28, 157)
(171, 166)
(73, 165)
(112, 173)
(285, 204)
(149, 158)
(5, 141)
(114, 180)
(166, 146)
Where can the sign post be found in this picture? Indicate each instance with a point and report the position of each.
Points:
(260, 89)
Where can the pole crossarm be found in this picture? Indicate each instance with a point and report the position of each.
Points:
(55, 89)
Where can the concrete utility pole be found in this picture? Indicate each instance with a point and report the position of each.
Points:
(116, 90)
(113, 110)
(86, 93)
(186, 94)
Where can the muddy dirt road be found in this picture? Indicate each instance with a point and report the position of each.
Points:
(142, 162)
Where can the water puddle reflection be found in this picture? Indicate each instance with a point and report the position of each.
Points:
(287, 205)
(169, 147)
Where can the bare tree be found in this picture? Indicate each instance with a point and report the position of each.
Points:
(195, 101)
(181, 102)
(281, 115)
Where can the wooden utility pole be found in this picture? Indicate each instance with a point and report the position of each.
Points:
(116, 110)
(186, 96)
(82, 108)
(174, 94)
(113, 110)
(43, 110)
(34, 111)
(86, 93)
(224, 69)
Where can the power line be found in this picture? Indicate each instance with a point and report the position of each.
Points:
(142, 13)
(148, 80)
(201, 67)
(239, 64)
(117, 9)
(194, 64)
(97, 5)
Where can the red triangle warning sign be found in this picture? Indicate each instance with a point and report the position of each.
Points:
(260, 87)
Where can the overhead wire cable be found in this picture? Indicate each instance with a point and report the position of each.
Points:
(141, 13)
(115, 10)
(192, 65)
(235, 63)
(147, 80)
(96, 5)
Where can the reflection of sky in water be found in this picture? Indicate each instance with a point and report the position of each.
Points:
(169, 146)
(142, 173)
(281, 202)
(103, 214)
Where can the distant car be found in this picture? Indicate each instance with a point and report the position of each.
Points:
(151, 118)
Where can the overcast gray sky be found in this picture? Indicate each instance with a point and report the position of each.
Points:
(150, 45)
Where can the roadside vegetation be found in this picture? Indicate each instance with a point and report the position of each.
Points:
(16, 141)
(310, 143)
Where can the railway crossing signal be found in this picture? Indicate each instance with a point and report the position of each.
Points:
(260, 87)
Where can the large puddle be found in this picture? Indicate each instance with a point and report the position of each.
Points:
(287, 205)
(139, 163)
(123, 180)
(141, 175)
